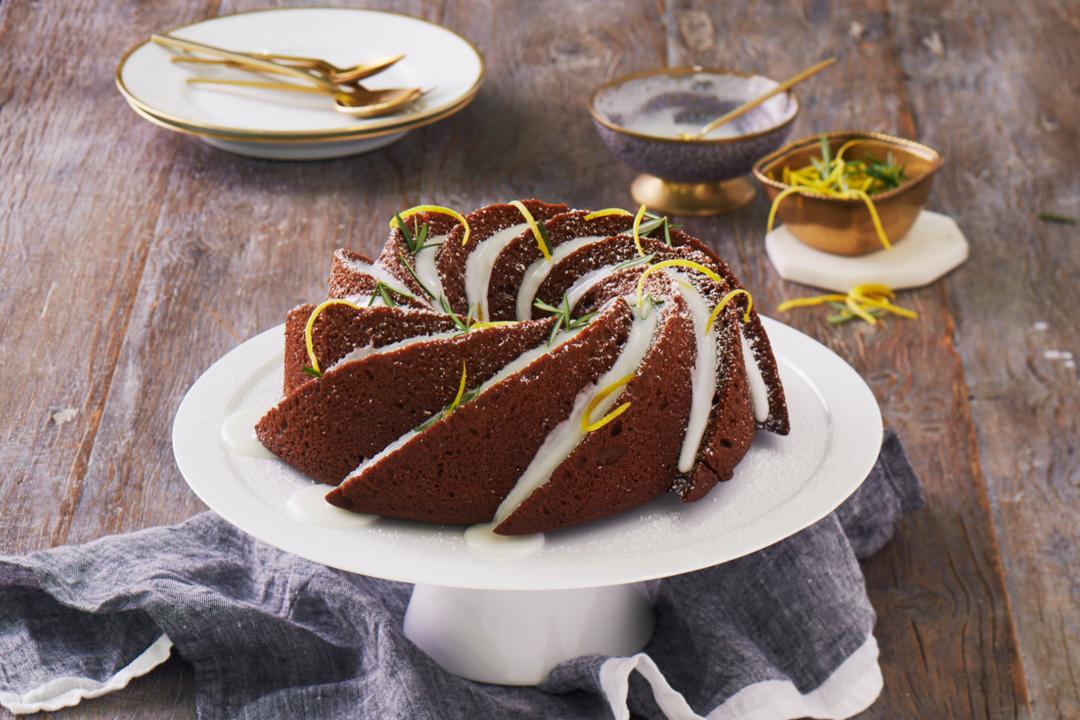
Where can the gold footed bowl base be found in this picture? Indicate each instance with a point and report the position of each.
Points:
(699, 199)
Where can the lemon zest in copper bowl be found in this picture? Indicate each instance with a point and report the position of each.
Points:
(842, 179)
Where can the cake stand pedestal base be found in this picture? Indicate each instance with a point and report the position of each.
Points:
(516, 637)
(700, 199)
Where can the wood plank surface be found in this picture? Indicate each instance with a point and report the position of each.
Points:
(948, 648)
(1011, 69)
(131, 258)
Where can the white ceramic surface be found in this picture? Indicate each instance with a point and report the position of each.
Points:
(294, 150)
(304, 151)
(437, 60)
(667, 106)
(780, 487)
(932, 247)
(515, 638)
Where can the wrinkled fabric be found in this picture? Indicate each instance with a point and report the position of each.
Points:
(270, 635)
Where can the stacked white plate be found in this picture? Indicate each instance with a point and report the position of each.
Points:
(297, 126)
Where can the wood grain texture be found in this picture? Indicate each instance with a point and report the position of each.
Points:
(1015, 303)
(948, 648)
(132, 258)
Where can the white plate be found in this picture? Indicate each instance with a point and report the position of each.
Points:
(442, 62)
(295, 150)
(782, 486)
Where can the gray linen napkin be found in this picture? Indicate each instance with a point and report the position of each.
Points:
(785, 632)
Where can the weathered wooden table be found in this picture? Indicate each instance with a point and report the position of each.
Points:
(132, 258)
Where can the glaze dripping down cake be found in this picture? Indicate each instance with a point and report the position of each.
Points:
(526, 365)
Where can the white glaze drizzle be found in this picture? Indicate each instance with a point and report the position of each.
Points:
(759, 393)
(310, 507)
(567, 435)
(424, 265)
(529, 357)
(238, 433)
(381, 274)
(369, 349)
(481, 539)
(519, 363)
(377, 457)
(703, 381)
(585, 282)
(539, 270)
(479, 263)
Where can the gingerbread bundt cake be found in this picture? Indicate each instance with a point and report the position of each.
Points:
(528, 366)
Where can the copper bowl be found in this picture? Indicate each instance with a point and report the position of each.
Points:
(844, 227)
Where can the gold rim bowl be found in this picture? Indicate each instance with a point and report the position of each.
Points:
(699, 176)
(844, 226)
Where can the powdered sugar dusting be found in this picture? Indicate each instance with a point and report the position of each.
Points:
(775, 471)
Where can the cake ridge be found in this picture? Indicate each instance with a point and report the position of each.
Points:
(497, 428)
(382, 487)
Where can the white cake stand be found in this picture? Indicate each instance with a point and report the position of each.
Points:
(510, 620)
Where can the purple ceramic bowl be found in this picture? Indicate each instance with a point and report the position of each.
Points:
(640, 117)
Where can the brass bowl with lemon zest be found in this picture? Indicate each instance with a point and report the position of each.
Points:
(845, 226)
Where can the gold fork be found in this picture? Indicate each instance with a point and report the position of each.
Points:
(356, 100)
(245, 61)
(333, 73)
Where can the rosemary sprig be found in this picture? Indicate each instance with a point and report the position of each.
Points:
(826, 155)
(563, 319)
(636, 260)
(383, 291)
(412, 271)
(307, 370)
(467, 397)
(656, 221)
(460, 399)
(888, 173)
(1050, 217)
(544, 235)
(462, 325)
(843, 313)
(651, 302)
(414, 241)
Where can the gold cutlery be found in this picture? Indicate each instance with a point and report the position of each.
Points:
(246, 61)
(751, 104)
(316, 66)
(356, 100)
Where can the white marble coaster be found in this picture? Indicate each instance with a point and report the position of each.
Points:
(932, 247)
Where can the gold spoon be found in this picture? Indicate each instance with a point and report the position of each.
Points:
(245, 61)
(357, 101)
(751, 104)
(315, 66)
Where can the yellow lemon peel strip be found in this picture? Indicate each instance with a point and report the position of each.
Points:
(858, 310)
(776, 204)
(874, 289)
(311, 323)
(460, 390)
(485, 324)
(540, 243)
(879, 296)
(862, 195)
(588, 427)
(435, 209)
(723, 303)
(637, 225)
(810, 301)
(857, 300)
(808, 181)
(606, 212)
(673, 263)
(844, 148)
